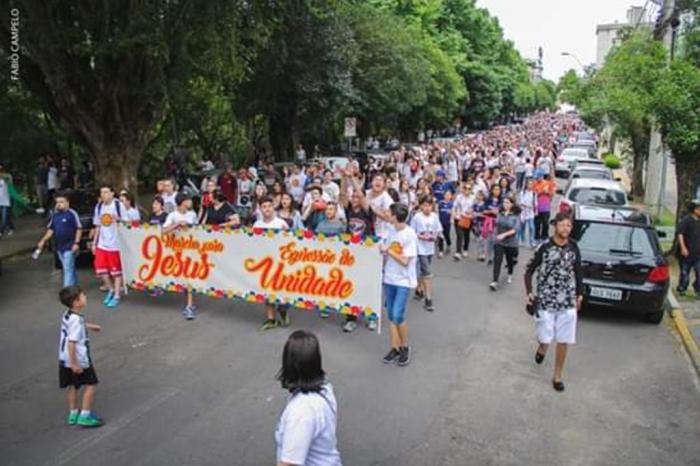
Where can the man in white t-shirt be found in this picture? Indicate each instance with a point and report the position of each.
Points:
(105, 246)
(182, 217)
(379, 201)
(401, 250)
(330, 187)
(270, 221)
(296, 182)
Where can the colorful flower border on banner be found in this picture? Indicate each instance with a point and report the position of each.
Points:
(345, 238)
(260, 298)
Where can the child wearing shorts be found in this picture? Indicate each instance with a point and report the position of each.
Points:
(428, 228)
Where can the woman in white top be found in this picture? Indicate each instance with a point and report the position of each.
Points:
(306, 431)
(462, 213)
(527, 200)
(131, 212)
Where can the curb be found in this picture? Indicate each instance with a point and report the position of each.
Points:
(679, 322)
(19, 252)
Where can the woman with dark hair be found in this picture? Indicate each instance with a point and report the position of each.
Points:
(220, 212)
(158, 214)
(506, 240)
(288, 213)
(306, 431)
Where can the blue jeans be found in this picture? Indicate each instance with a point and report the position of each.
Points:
(529, 225)
(395, 298)
(684, 279)
(4, 218)
(67, 259)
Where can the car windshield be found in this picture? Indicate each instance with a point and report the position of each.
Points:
(609, 238)
(597, 196)
(597, 174)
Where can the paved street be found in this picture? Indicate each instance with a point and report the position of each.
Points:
(203, 392)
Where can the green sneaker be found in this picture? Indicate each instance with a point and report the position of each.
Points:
(73, 418)
(269, 324)
(89, 421)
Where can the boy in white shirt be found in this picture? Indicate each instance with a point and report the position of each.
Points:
(400, 249)
(428, 228)
(105, 247)
(75, 365)
(270, 221)
(182, 217)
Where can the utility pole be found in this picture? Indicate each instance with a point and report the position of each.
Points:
(657, 162)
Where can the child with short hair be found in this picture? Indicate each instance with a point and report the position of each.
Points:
(400, 249)
(445, 213)
(75, 368)
(427, 226)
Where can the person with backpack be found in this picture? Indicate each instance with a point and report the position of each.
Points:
(105, 246)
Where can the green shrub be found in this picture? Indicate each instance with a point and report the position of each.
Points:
(612, 161)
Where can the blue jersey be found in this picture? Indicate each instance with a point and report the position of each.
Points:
(445, 210)
(439, 189)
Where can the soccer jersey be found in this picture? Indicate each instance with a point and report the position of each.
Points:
(73, 330)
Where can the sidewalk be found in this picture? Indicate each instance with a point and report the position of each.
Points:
(23, 241)
(685, 314)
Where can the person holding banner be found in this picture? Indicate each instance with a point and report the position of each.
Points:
(400, 276)
(182, 217)
(270, 221)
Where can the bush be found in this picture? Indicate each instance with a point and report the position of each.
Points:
(612, 161)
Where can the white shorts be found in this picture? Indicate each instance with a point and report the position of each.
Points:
(556, 326)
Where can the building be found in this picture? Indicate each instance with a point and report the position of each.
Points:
(607, 34)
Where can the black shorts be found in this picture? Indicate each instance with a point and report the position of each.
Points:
(67, 377)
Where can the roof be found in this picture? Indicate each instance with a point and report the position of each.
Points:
(595, 183)
(590, 168)
(574, 150)
(608, 214)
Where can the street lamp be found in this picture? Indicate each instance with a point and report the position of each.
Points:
(569, 54)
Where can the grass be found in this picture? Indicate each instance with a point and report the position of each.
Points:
(666, 219)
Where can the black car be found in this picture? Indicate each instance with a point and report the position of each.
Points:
(83, 201)
(622, 261)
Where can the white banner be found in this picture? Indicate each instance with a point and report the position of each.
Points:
(340, 274)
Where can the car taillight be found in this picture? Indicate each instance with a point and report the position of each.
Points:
(564, 207)
(658, 274)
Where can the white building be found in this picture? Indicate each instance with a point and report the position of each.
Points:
(607, 34)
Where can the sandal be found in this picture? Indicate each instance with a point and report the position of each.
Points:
(539, 357)
(558, 386)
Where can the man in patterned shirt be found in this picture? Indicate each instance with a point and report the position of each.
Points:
(559, 293)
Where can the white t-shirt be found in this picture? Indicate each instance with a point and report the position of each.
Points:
(132, 215)
(73, 329)
(463, 205)
(429, 224)
(176, 217)
(383, 202)
(4, 193)
(332, 190)
(52, 179)
(276, 224)
(245, 190)
(306, 431)
(406, 242)
(106, 217)
(451, 168)
(295, 186)
(169, 201)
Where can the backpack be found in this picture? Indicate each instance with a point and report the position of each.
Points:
(117, 204)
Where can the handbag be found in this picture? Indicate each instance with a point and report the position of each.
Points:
(465, 222)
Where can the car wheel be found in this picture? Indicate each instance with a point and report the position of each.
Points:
(654, 317)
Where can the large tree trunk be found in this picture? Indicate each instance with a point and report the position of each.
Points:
(638, 174)
(687, 169)
(118, 167)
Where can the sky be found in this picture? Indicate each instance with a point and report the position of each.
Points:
(558, 26)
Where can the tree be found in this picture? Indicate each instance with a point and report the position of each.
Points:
(569, 88)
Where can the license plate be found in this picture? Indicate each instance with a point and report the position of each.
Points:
(606, 293)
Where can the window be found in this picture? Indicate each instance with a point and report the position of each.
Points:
(609, 238)
(597, 196)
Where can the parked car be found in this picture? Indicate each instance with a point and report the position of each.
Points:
(599, 172)
(622, 262)
(591, 191)
(587, 162)
(586, 144)
(566, 159)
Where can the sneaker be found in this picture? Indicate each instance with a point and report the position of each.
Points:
(269, 324)
(372, 325)
(489, 262)
(510, 279)
(391, 356)
(440, 255)
(189, 313)
(349, 326)
(418, 296)
(108, 297)
(114, 302)
(285, 320)
(493, 286)
(10, 232)
(465, 255)
(89, 420)
(324, 314)
(429, 305)
(458, 257)
(404, 356)
(72, 418)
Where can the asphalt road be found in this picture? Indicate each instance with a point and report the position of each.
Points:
(203, 392)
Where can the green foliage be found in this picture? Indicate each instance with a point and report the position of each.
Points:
(612, 161)
(569, 88)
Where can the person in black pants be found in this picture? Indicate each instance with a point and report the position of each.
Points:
(506, 241)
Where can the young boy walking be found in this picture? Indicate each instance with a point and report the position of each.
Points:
(400, 249)
(427, 226)
(75, 368)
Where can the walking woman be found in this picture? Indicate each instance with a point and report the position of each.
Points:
(306, 431)
(527, 201)
(506, 241)
(463, 215)
(493, 206)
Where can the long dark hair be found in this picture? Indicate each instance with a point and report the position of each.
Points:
(301, 364)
